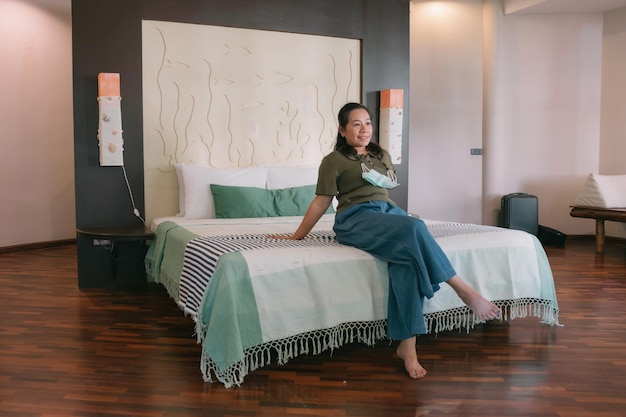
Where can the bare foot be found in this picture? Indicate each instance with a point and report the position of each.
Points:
(482, 308)
(406, 351)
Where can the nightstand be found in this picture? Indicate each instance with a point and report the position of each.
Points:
(112, 256)
(114, 234)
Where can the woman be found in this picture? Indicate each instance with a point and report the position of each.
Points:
(359, 172)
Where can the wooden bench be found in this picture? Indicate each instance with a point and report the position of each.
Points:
(600, 215)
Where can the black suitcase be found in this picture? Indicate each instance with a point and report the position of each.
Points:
(520, 211)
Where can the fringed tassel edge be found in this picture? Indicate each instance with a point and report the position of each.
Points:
(319, 341)
(311, 343)
(171, 285)
(463, 318)
(160, 277)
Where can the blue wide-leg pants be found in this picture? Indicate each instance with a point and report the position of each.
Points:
(416, 263)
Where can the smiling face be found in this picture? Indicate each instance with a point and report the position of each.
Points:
(358, 130)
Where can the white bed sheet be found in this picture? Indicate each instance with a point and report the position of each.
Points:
(507, 266)
(481, 257)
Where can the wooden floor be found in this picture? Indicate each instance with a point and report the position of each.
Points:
(66, 352)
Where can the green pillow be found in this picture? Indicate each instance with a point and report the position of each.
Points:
(232, 202)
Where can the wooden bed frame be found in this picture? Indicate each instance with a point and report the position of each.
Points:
(600, 215)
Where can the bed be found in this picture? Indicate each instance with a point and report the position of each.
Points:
(257, 300)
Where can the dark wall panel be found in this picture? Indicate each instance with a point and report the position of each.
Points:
(103, 45)
(386, 65)
(98, 45)
(342, 18)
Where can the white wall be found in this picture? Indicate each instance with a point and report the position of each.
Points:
(542, 117)
(542, 128)
(541, 81)
(446, 100)
(613, 120)
(37, 157)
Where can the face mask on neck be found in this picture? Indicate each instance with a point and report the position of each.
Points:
(379, 180)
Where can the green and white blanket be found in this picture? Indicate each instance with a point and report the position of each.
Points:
(257, 300)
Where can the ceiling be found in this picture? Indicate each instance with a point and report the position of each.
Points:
(561, 6)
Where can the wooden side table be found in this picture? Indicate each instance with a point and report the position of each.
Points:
(126, 245)
(600, 215)
(113, 234)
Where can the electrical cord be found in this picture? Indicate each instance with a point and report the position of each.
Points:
(132, 200)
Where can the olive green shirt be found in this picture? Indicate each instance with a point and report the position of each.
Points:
(340, 176)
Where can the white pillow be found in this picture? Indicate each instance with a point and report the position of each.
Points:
(606, 191)
(197, 182)
(288, 177)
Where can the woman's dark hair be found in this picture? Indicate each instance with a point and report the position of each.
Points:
(343, 118)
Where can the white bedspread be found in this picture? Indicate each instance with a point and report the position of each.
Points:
(306, 297)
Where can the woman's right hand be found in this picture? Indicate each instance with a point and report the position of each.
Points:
(316, 209)
(284, 237)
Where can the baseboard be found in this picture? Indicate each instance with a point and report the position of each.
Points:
(37, 245)
(581, 237)
(619, 240)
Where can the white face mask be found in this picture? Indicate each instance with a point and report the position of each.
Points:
(379, 180)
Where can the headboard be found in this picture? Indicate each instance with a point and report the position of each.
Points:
(233, 98)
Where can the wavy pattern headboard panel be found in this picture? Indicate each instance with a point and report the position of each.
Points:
(230, 97)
